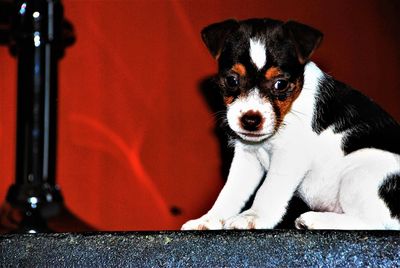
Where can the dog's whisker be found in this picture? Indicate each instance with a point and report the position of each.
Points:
(218, 113)
(297, 114)
(219, 117)
(222, 121)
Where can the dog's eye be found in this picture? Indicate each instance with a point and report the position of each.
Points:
(232, 81)
(281, 85)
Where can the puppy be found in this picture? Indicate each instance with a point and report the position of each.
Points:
(312, 135)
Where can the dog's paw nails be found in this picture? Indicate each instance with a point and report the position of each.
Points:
(203, 224)
(301, 224)
(244, 221)
(306, 221)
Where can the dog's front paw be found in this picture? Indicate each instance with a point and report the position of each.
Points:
(309, 221)
(203, 223)
(248, 219)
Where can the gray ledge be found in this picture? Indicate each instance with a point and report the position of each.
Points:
(273, 248)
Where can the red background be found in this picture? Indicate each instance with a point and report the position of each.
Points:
(136, 135)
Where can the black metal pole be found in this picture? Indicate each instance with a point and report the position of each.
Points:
(37, 36)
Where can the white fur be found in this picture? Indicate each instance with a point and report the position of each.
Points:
(258, 53)
(252, 102)
(244, 176)
(344, 188)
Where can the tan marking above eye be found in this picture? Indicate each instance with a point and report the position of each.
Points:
(272, 72)
(228, 100)
(239, 69)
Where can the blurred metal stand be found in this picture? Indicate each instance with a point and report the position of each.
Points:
(37, 35)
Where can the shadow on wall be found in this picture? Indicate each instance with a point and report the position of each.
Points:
(211, 93)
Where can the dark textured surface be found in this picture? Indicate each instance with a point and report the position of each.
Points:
(203, 249)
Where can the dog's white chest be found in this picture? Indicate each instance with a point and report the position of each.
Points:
(321, 184)
(263, 155)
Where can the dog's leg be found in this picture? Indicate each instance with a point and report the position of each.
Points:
(330, 220)
(363, 174)
(272, 198)
(245, 174)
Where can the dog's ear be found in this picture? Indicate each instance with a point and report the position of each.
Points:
(306, 39)
(215, 34)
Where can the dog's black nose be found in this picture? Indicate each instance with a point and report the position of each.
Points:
(251, 120)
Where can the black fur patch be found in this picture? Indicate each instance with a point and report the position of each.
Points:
(281, 52)
(366, 124)
(390, 193)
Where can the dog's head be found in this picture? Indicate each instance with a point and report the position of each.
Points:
(261, 65)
